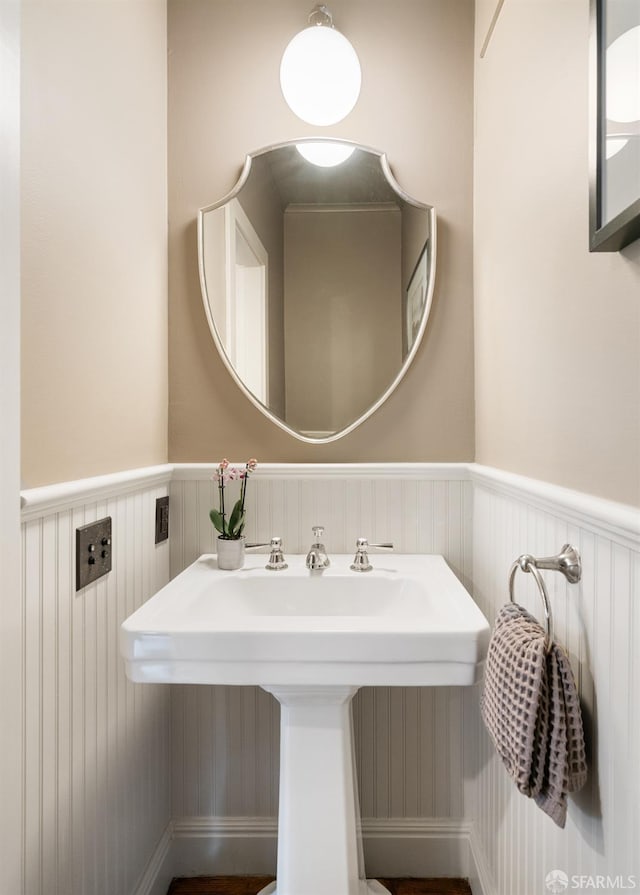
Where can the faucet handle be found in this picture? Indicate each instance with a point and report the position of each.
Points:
(277, 561)
(318, 531)
(361, 559)
(364, 544)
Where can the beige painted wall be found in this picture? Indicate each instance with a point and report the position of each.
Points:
(94, 255)
(417, 105)
(557, 328)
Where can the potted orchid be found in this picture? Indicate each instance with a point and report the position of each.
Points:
(230, 525)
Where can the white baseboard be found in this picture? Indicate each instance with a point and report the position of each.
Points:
(420, 847)
(210, 846)
(159, 871)
(201, 846)
(480, 878)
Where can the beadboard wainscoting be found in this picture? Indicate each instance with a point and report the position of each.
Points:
(421, 507)
(126, 785)
(96, 758)
(409, 756)
(598, 622)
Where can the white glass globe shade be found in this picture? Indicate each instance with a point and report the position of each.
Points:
(325, 154)
(320, 75)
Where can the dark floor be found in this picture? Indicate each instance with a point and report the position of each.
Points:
(251, 885)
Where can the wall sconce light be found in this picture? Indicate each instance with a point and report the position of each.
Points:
(320, 72)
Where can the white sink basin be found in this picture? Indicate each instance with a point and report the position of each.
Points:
(311, 639)
(409, 621)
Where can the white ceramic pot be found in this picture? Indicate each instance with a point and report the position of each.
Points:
(231, 553)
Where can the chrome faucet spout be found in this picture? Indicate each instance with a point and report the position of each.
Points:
(317, 556)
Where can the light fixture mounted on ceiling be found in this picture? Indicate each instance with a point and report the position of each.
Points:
(320, 72)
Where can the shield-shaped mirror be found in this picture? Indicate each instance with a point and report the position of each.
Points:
(317, 275)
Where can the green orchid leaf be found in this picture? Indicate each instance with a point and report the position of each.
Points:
(237, 530)
(236, 520)
(218, 521)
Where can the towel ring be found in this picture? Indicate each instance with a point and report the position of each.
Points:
(525, 563)
(567, 561)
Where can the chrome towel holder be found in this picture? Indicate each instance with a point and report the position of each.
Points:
(567, 561)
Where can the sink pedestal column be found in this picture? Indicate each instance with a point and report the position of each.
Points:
(319, 840)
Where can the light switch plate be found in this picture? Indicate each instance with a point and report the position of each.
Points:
(162, 519)
(93, 552)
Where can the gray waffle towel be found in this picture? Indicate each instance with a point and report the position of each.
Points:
(531, 709)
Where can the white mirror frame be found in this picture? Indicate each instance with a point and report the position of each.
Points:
(425, 317)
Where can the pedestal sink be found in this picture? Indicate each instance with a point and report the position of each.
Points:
(312, 639)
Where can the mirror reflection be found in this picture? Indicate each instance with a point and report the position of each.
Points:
(317, 276)
(621, 183)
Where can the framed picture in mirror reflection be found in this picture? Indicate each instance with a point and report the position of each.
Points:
(417, 297)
